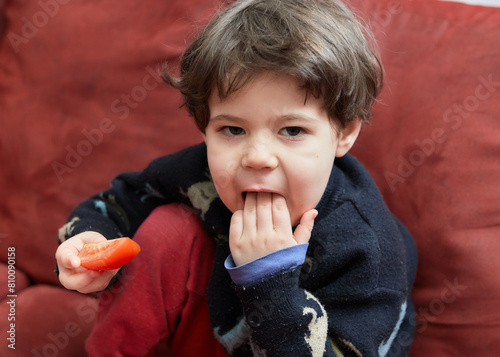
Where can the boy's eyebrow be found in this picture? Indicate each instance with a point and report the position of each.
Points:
(294, 116)
(226, 117)
(284, 117)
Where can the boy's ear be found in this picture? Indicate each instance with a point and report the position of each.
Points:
(348, 136)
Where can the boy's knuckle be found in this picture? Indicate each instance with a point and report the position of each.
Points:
(265, 205)
(279, 207)
(282, 242)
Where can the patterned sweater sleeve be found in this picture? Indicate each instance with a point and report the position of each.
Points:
(284, 319)
(119, 211)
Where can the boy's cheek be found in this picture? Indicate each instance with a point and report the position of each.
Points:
(233, 204)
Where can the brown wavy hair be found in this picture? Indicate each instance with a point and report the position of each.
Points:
(320, 42)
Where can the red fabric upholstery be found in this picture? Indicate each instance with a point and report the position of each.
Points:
(49, 321)
(434, 151)
(79, 103)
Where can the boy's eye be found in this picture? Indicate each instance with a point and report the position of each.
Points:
(292, 131)
(232, 130)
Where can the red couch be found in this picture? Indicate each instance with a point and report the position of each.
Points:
(80, 101)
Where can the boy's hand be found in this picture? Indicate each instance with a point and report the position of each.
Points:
(264, 226)
(74, 277)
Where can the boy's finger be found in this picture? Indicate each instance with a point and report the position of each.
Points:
(83, 280)
(90, 237)
(67, 258)
(236, 243)
(236, 226)
(303, 231)
(250, 214)
(281, 214)
(99, 282)
(264, 211)
(75, 279)
(73, 261)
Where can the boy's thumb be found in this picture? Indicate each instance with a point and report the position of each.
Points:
(302, 233)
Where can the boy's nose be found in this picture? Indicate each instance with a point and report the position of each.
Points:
(260, 156)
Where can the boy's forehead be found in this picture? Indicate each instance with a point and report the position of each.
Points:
(282, 95)
(264, 80)
(256, 79)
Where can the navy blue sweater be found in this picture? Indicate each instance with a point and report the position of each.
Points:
(351, 296)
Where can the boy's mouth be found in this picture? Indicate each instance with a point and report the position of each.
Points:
(244, 193)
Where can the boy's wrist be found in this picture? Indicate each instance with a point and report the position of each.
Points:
(263, 267)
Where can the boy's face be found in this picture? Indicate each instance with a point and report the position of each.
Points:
(266, 138)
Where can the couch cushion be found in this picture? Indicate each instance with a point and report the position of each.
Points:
(49, 321)
(12, 280)
(434, 151)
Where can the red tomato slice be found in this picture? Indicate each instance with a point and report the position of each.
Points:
(109, 255)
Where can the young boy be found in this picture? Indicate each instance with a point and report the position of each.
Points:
(280, 90)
